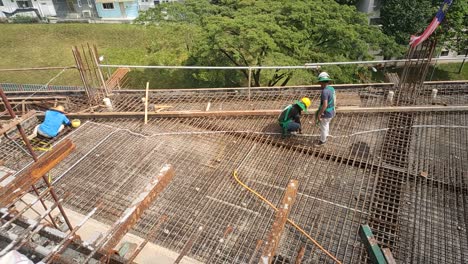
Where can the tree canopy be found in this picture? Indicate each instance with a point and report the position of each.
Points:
(271, 32)
(455, 27)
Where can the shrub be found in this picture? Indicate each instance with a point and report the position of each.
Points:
(25, 19)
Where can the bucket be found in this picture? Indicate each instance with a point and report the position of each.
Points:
(75, 123)
(108, 104)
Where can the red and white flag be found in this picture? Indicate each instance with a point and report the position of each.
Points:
(416, 40)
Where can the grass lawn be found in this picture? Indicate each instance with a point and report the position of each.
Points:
(438, 72)
(40, 45)
(448, 71)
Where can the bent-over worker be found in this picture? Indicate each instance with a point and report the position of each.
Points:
(54, 122)
(290, 118)
(326, 110)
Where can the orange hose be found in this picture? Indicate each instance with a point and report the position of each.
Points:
(289, 220)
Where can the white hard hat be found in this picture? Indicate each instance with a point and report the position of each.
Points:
(324, 74)
(324, 77)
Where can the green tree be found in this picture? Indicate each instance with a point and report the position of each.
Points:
(272, 32)
(455, 27)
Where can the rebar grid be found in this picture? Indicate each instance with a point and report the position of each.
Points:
(276, 98)
(434, 217)
(116, 157)
(372, 95)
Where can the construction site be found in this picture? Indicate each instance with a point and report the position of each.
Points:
(204, 176)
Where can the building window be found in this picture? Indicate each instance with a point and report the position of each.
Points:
(444, 53)
(108, 5)
(24, 4)
(375, 21)
(156, 2)
(463, 51)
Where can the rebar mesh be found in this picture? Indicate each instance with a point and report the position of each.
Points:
(421, 218)
(447, 93)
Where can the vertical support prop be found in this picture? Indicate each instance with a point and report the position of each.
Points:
(463, 62)
(250, 80)
(146, 103)
(281, 218)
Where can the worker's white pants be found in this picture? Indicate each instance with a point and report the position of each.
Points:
(34, 133)
(324, 129)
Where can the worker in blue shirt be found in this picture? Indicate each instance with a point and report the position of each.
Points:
(54, 122)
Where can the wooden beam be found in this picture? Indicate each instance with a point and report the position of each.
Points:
(54, 97)
(35, 172)
(146, 102)
(138, 206)
(280, 221)
(407, 109)
(51, 101)
(6, 127)
(133, 213)
(300, 255)
(176, 114)
(274, 112)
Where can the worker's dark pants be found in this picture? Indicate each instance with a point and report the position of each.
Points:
(289, 127)
(293, 126)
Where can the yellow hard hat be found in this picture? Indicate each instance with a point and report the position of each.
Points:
(306, 101)
(75, 123)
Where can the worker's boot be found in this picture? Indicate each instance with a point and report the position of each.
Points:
(284, 132)
(319, 144)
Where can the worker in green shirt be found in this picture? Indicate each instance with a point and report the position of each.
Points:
(290, 117)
